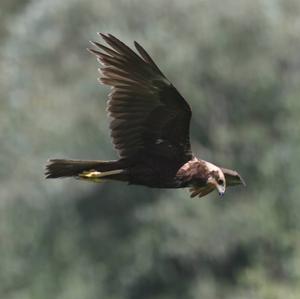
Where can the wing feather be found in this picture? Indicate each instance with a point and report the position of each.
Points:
(232, 177)
(148, 113)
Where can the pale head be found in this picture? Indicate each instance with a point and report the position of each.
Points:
(216, 177)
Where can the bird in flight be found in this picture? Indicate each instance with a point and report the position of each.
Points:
(150, 123)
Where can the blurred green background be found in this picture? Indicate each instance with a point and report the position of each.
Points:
(238, 64)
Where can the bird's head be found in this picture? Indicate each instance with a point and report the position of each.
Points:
(216, 178)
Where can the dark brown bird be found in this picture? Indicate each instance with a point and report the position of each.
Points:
(149, 129)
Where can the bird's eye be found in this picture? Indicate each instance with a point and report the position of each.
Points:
(220, 182)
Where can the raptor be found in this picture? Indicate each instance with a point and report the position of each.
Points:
(150, 124)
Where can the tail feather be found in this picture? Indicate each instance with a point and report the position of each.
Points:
(59, 168)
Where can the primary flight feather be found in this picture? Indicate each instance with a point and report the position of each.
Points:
(149, 126)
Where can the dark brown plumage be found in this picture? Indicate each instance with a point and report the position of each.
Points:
(149, 125)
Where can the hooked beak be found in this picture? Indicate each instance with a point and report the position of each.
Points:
(221, 190)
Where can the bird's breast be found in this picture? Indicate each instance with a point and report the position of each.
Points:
(193, 173)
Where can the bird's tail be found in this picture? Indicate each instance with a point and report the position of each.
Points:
(86, 170)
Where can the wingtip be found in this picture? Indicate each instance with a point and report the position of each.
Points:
(47, 174)
(241, 179)
(93, 43)
(243, 182)
(93, 51)
(136, 44)
(99, 60)
(103, 35)
(100, 81)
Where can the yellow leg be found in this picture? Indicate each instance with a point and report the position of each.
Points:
(97, 176)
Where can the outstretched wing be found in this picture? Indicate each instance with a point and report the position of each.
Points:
(149, 116)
